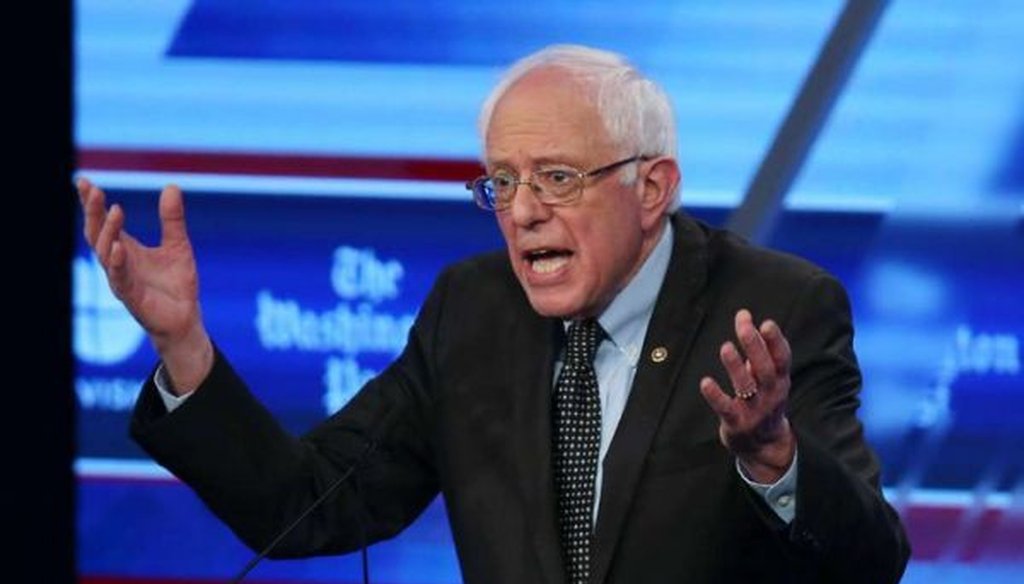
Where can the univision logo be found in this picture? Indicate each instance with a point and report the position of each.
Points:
(104, 332)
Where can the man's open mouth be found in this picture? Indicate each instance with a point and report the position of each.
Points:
(545, 261)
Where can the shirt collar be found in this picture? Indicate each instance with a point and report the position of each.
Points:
(626, 318)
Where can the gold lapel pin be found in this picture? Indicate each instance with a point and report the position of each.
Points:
(659, 354)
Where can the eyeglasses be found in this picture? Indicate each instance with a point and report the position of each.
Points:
(561, 185)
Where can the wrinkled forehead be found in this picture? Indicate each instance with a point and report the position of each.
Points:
(547, 114)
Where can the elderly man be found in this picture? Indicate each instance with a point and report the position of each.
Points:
(577, 400)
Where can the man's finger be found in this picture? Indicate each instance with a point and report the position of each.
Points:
(109, 233)
(95, 214)
(117, 257)
(778, 346)
(172, 216)
(742, 381)
(116, 273)
(761, 363)
(82, 186)
(720, 403)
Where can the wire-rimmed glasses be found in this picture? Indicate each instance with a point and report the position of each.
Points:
(556, 185)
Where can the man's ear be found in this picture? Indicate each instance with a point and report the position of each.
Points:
(660, 179)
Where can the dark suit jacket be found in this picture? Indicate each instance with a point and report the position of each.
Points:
(465, 410)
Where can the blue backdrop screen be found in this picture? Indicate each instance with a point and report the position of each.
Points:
(322, 147)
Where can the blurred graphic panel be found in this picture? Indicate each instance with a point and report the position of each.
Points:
(323, 145)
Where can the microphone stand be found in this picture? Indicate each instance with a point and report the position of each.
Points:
(368, 449)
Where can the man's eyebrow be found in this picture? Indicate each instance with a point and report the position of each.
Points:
(490, 163)
(557, 161)
(551, 160)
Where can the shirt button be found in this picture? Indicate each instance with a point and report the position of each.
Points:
(784, 500)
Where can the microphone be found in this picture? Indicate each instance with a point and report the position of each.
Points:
(368, 448)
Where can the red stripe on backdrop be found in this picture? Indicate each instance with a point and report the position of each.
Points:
(299, 165)
(964, 534)
(146, 580)
(116, 580)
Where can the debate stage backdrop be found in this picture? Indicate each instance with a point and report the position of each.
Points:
(323, 146)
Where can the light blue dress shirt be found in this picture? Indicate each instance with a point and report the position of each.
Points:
(625, 325)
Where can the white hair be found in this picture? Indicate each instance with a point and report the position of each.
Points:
(636, 112)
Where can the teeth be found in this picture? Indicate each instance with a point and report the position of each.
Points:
(546, 265)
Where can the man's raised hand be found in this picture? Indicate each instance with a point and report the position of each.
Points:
(159, 285)
(753, 424)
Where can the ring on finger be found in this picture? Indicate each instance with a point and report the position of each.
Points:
(746, 394)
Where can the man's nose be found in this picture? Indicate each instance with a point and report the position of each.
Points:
(526, 208)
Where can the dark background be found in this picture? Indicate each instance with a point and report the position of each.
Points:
(38, 426)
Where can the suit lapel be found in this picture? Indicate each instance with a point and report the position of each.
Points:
(536, 341)
(677, 315)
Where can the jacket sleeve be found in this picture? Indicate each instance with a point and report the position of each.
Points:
(844, 529)
(257, 478)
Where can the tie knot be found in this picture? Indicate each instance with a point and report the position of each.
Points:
(583, 338)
